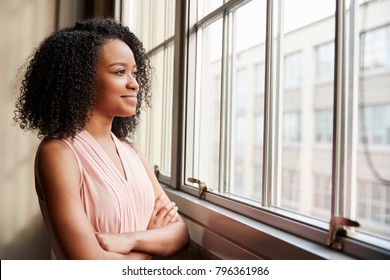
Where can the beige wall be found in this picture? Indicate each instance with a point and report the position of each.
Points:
(24, 24)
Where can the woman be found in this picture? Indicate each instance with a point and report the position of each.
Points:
(83, 92)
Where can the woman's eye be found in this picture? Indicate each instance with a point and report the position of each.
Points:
(135, 74)
(120, 72)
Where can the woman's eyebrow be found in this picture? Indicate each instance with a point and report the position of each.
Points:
(117, 64)
(120, 64)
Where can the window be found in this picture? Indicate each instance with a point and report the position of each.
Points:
(259, 78)
(375, 45)
(292, 71)
(290, 189)
(324, 126)
(207, 6)
(373, 208)
(325, 63)
(322, 195)
(154, 24)
(375, 125)
(284, 121)
(204, 138)
(298, 160)
(291, 127)
(237, 102)
(371, 205)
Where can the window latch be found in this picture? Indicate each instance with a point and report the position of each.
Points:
(156, 170)
(338, 227)
(202, 187)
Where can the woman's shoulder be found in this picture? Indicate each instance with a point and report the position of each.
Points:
(55, 162)
(54, 151)
(53, 145)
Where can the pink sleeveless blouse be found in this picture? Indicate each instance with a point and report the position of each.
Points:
(113, 203)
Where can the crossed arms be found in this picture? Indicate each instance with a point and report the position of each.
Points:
(166, 233)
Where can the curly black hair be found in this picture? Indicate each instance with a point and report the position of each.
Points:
(57, 94)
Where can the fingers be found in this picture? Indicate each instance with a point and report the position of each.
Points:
(170, 215)
(159, 203)
(163, 206)
(167, 213)
(164, 213)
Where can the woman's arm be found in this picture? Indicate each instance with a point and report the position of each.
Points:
(166, 240)
(167, 233)
(58, 174)
(164, 214)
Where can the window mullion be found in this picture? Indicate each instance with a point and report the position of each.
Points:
(352, 103)
(339, 136)
(268, 112)
(278, 102)
(225, 127)
(178, 87)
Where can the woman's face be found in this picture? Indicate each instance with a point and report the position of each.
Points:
(116, 84)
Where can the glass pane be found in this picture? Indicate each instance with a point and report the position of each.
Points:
(165, 120)
(155, 133)
(170, 18)
(247, 56)
(161, 21)
(207, 6)
(371, 204)
(203, 134)
(306, 92)
(153, 21)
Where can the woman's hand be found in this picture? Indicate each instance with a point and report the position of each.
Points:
(121, 243)
(166, 235)
(164, 213)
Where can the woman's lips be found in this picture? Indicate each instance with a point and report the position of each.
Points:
(130, 98)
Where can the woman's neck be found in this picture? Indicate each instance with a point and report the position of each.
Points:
(99, 129)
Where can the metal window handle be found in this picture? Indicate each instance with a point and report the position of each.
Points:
(156, 170)
(337, 227)
(202, 187)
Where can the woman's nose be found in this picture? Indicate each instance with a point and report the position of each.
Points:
(132, 83)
